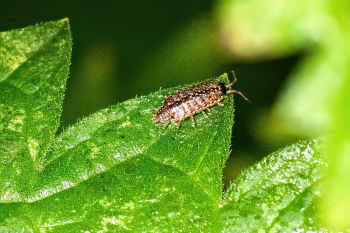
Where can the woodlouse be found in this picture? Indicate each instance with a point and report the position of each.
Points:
(192, 100)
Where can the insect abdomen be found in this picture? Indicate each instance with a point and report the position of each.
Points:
(190, 101)
(193, 100)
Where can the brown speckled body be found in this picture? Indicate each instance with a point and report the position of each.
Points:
(193, 100)
(190, 101)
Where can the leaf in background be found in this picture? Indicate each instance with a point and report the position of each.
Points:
(34, 66)
(338, 196)
(315, 99)
(279, 194)
(257, 30)
(262, 30)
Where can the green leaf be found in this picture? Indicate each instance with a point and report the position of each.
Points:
(118, 170)
(34, 65)
(279, 194)
(338, 196)
(314, 101)
(262, 30)
(114, 170)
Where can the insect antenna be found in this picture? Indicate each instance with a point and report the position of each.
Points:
(234, 79)
(235, 91)
(239, 93)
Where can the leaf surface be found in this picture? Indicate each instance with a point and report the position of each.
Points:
(34, 66)
(280, 193)
(114, 170)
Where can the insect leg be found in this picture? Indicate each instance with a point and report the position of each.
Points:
(166, 124)
(178, 124)
(205, 115)
(239, 93)
(192, 119)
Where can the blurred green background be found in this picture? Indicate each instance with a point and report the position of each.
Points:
(124, 49)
